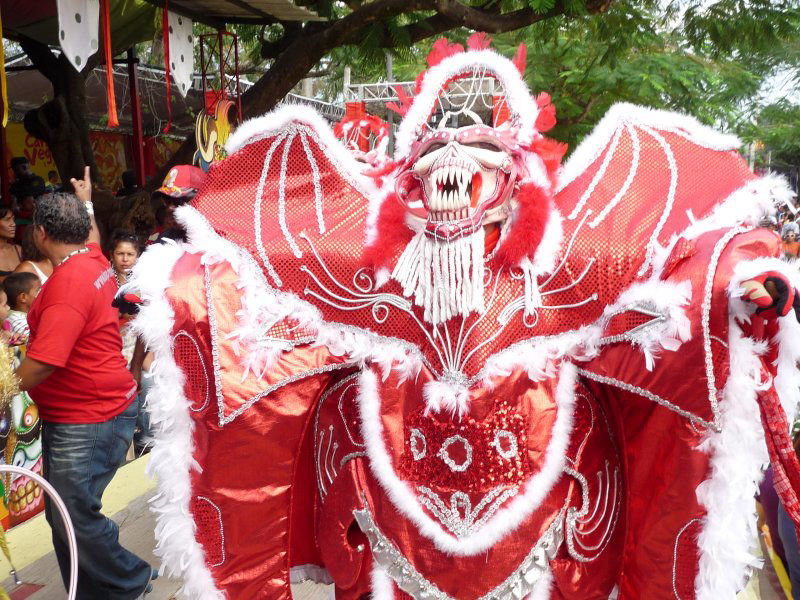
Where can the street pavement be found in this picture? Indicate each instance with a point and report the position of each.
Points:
(126, 502)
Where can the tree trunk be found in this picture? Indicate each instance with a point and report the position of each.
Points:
(61, 122)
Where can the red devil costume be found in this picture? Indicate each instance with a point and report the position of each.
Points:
(477, 374)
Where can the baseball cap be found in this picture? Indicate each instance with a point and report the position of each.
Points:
(182, 181)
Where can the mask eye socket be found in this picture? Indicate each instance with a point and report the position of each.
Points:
(433, 148)
(486, 146)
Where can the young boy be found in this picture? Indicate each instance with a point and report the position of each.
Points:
(21, 290)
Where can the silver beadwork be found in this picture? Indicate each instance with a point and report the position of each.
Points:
(183, 333)
(445, 456)
(417, 438)
(221, 531)
(497, 442)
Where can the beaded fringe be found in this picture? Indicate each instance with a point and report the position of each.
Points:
(445, 278)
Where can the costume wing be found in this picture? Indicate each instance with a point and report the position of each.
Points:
(287, 189)
(641, 177)
(236, 376)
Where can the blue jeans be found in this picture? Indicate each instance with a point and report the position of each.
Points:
(80, 461)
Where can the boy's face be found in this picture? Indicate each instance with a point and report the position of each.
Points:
(26, 298)
(791, 236)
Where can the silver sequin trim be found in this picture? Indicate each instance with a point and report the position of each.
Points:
(520, 583)
(497, 442)
(414, 441)
(706, 318)
(221, 530)
(649, 395)
(675, 558)
(473, 520)
(577, 517)
(183, 333)
(212, 324)
(445, 456)
(326, 394)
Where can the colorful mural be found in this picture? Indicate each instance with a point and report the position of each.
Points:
(20, 438)
(211, 133)
(20, 143)
(109, 154)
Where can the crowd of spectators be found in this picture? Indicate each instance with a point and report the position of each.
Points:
(63, 258)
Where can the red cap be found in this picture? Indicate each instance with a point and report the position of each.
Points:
(182, 181)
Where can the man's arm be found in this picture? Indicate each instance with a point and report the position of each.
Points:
(137, 360)
(32, 372)
(83, 190)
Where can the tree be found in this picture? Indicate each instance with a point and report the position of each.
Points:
(293, 49)
(61, 122)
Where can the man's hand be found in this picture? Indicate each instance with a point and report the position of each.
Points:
(773, 294)
(83, 188)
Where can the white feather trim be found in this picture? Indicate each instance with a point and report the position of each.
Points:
(518, 96)
(506, 519)
(382, 584)
(171, 457)
(621, 114)
(287, 115)
(549, 249)
(543, 587)
(737, 452)
(447, 396)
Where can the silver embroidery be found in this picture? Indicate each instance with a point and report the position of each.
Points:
(599, 175)
(497, 442)
(705, 319)
(221, 530)
(339, 405)
(445, 456)
(673, 186)
(417, 438)
(212, 324)
(183, 333)
(675, 557)
(474, 518)
(650, 396)
(316, 179)
(579, 524)
(319, 437)
(517, 585)
(262, 253)
(628, 180)
(282, 199)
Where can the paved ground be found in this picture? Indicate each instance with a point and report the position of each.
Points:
(126, 501)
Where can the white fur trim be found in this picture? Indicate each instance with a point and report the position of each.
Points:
(728, 534)
(506, 519)
(382, 584)
(518, 96)
(543, 587)
(622, 114)
(746, 206)
(171, 457)
(549, 249)
(274, 122)
(536, 355)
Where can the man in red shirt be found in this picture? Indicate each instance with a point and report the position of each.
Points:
(75, 372)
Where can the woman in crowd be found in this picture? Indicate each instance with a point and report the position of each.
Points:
(33, 261)
(124, 251)
(10, 253)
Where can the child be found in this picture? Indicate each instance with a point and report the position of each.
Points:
(791, 247)
(21, 290)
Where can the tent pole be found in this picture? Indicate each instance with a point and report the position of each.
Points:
(136, 117)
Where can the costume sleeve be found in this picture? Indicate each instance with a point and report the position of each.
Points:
(60, 325)
(689, 425)
(232, 420)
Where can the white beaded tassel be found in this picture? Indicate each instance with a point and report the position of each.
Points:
(445, 278)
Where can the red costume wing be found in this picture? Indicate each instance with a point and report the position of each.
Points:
(641, 177)
(288, 189)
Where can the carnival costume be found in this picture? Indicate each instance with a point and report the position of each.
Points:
(355, 385)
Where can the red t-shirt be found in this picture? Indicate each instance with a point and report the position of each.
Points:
(75, 328)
